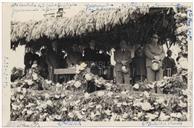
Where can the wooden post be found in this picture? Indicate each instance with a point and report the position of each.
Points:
(51, 73)
(56, 77)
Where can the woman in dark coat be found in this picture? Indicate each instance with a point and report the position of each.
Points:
(169, 64)
(139, 65)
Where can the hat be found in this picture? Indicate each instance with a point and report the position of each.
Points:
(92, 42)
(123, 42)
(155, 36)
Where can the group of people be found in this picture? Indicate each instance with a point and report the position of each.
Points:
(89, 54)
(149, 61)
(56, 57)
(34, 60)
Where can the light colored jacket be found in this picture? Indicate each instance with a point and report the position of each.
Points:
(151, 51)
(122, 56)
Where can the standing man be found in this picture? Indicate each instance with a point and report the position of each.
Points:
(28, 59)
(91, 53)
(53, 59)
(43, 64)
(122, 66)
(154, 53)
(91, 57)
(74, 56)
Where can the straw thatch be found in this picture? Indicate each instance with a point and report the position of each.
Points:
(83, 22)
(132, 23)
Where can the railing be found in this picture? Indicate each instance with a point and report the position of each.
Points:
(66, 72)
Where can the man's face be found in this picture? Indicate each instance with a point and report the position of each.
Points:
(123, 44)
(169, 53)
(75, 48)
(92, 44)
(54, 46)
(140, 52)
(180, 54)
(155, 39)
(28, 50)
(32, 50)
(43, 52)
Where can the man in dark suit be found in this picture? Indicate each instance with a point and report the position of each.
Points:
(91, 57)
(53, 57)
(91, 53)
(43, 64)
(74, 56)
(29, 58)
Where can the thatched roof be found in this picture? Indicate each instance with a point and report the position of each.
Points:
(132, 22)
(60, 27)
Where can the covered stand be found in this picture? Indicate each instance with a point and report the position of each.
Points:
(106, 27)
(135, 24)
(37, 99)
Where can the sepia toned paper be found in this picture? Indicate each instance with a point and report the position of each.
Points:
(25, 12)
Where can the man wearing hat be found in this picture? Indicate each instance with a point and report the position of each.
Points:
(123, 60)
(91, 56)
(154, 53)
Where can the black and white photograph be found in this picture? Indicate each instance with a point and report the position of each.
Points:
(83, 63)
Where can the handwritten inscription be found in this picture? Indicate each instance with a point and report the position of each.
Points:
(28, 4)
(69, 123)
(5, 71)
(151, 124)
(19, 7)
(23, 124)
(189, 23)
(94, 7)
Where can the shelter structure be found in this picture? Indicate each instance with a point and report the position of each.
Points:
(106, 27)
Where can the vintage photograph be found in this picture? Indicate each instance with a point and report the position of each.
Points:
(99, 62)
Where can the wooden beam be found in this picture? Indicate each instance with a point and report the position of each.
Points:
(66, 71)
